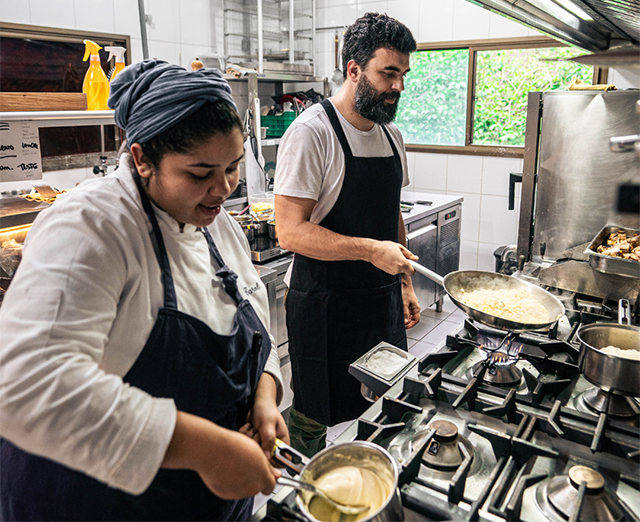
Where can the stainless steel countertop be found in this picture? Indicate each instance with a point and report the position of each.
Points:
(440, 202)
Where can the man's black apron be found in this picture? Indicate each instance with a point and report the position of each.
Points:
(210, 375)
(339, 310)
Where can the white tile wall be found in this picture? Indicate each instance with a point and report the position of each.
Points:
(91, 15)
(430, 171)
(497, 222)
(495, 174)
(503, 27)
(15, 12)
(470, 22)
(464, 174)
(436, 21)
(53, 14)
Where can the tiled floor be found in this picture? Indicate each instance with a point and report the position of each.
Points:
(422, 339)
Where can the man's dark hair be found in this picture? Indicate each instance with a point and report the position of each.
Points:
(210, 119)
(371, 32)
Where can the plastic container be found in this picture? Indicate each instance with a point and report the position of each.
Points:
(262, 206)
(118, 54)
(95, 85)
(277, 125)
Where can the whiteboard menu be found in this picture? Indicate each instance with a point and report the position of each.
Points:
(20, 157)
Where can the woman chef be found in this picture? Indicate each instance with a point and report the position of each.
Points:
(134, 344)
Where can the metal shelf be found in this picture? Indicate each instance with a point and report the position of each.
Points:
(278, 77)
(62, 118)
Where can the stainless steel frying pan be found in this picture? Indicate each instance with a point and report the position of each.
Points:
(455, 282)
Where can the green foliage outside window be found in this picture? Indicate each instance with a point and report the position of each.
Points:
(504, 78)
(433, 107)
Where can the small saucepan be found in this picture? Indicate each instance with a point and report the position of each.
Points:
(610, 373)
(359, 454)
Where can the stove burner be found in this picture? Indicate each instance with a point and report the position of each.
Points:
(443, 452)
(562, 493)
(595, 400)
(501, 370)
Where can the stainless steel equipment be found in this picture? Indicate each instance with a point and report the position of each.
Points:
(469, 446)
(608, 372)
(596, 25)
(608, 264)
(433, 234)
(361, 454)
(569, 189)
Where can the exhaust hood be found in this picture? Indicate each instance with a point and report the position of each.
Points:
(594, 25)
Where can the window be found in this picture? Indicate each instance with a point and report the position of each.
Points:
(441, 110)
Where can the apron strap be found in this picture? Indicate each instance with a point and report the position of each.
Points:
(228, 276)
(337, 127)
(170, 300)
(393, 147)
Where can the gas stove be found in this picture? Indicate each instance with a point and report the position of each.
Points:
(495, 426)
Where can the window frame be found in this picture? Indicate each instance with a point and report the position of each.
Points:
(600, 75)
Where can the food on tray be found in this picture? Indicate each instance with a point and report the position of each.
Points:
(385, 363)
(514, 305)
(619, 352)
(351, 486)
(620, 245)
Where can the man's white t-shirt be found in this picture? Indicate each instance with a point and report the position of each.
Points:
(311, 162)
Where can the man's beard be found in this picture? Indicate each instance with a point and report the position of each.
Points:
(372, 106)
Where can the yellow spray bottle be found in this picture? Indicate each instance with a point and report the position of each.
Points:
(118, 54)
(95, 85)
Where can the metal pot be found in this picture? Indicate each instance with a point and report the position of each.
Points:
(273, 231)
(608, 372)
(356, 453)
(261, 227)
(249, 231)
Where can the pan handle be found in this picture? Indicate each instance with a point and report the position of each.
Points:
(624, 312)
(289, 457)
(424, 271)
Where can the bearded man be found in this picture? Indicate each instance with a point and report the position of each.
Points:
(340, 169)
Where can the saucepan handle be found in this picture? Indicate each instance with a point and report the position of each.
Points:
(624, 312)
(289, 457)
(423, 270)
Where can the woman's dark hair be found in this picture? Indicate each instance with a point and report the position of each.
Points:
(210, 119)
(371, 32)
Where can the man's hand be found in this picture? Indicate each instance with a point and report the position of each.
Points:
(392, 257)
(265, 422)
(410, 303)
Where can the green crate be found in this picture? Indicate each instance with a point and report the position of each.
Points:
(277, 125)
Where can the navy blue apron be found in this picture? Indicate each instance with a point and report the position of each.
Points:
(206, 374)
(338, 310)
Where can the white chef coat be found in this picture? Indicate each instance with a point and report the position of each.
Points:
(78, 313)
(311, 162)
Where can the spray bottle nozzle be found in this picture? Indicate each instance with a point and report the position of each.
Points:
(90, 48)
(116, 52)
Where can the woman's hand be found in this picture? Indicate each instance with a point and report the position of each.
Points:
(265, 422)
(230, 464)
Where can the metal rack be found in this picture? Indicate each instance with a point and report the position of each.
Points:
(278, 31)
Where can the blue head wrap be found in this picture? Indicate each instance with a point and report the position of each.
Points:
(151, 96)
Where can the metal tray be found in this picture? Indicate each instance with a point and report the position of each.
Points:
(609, 264)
